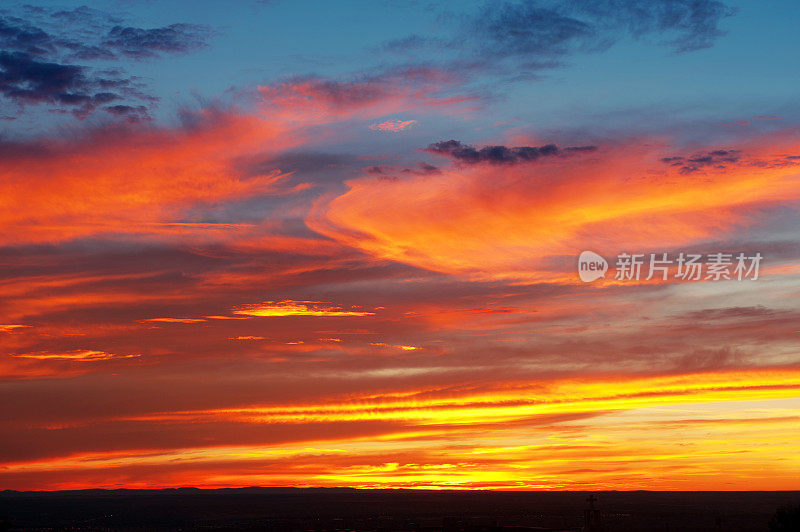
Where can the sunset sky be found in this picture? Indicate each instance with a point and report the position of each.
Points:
(336, 244)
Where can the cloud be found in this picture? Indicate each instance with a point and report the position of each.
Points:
(150, 180)
(500, 154)
(175, 320)
(140, 43)
(142, 177)
(545, 31)
(305, 165)
(474, 220)
(715, 158)
(11, 327)
(720, 159)
(392, 91)
(734, 313)
(16, 34)
(38, 62)
(517, 401)
(271, 309)
(132, 112)
(393, 126)
(27, 80)
(421, 262)
(392, 172)
(524, 37)
(78, 356)
(464, 437)
(85, 33)
(687, 25)
(525, 28)
(296, 308)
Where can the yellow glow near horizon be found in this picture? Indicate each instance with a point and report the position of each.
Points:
(296, 308)
(558, 435)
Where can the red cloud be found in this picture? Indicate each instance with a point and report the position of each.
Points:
(132, 179)
(315, 99)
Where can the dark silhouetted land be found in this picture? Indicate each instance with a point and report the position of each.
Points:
(288, 509)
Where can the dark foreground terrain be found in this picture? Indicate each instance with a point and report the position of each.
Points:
(287, 509)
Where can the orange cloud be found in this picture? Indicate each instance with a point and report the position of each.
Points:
(79, 356)
(141, 179)
(426, 427)
(175, 320)
(518, 401)
(401, 347)
(504, 222)
(133, 179)
(296, 308)
(11, 327)
(560, 434)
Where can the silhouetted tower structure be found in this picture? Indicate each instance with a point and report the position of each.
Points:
(592, 518)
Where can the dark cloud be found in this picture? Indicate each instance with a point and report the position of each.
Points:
(16, 34)
(500, 154)
(141, 43)
(27, 80)
(133, 113)
(527, 29)
(687, 24)
(528, 36)
(721, 159)
(536, 28)
(710, 159)
(90, 35)
(391, 172)
(423, 169)
(39, 55)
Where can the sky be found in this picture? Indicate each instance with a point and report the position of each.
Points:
(342, 244)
